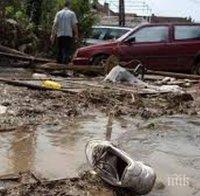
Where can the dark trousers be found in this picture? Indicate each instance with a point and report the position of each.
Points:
(65, 45)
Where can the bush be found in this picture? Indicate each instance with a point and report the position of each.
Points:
(38, 27)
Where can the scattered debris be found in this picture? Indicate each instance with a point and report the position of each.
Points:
(38, 104)
(118, 169)
(120, 74)
(174, 75)
(11, 51)
(39, 85)
(24, 58)
(10, 177)
(3, 109)
(171, 88)
(167, 80)
(29, 184)
(39, 76)
(51, 85)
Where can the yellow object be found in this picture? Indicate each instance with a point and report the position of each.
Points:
(51, 85)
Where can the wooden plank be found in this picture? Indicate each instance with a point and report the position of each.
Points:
(36, 86)
(25, 58)
(10, 50)
(10, 177)
(174, 75)
(85, 69)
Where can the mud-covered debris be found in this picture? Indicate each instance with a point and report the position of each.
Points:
(119, 74)
(39, 76)
(3, 109)
(84, 185)
(10, 177)
(166, 80)
(33, 107)
(3, 191)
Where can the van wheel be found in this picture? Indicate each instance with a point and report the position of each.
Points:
(99, 60)
(196, 69)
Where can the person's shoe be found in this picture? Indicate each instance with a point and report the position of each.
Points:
(116, 167)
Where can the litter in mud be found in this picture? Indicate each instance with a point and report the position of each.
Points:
(117, 168)
(3, 109)
(120, 74)
(40, 120)
(27, 183)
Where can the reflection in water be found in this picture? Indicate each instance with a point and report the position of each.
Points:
(172, 147)
(109, 127)
(22, 151)
(54, 151)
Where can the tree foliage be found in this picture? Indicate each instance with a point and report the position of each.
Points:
(36, 16)
(41, 12)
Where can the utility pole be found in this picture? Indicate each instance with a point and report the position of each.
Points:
(122, 21)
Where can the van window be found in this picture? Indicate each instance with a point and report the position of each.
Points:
(98, 33)
(115, 33)
(152, 34)
(187, 32)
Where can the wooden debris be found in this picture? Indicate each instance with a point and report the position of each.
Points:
(10, 177)
(36, 86)
(10, 50)
(35, 177)
(62, 67)
(10, 129)
(174, 75)
(7, 129)
(25, 58)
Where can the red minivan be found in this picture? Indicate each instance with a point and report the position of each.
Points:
(166, 47)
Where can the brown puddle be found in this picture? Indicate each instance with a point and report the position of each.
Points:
(171, 145)
(53, 151)
(172, 148)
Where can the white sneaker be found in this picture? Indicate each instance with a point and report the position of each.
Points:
(116, 167)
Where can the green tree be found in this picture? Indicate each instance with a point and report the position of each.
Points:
(86, 18)
(35, 19)
(34, 10)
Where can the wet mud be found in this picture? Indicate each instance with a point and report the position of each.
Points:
(45, 132)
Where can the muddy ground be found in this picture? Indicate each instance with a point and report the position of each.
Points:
(26, 107)
(45, 132)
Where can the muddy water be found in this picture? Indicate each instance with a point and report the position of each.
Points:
(53, 151)
(171, 145)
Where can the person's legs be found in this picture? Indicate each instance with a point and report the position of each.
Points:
(67, 46)
(59, 55)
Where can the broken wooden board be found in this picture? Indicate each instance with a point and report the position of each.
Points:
(37, 85)
(11, 177)
(10, 50)
(84, 69)
(25, 58)
(174, 75)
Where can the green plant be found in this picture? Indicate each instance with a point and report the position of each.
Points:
(35, 18)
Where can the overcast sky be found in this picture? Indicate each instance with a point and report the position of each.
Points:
(183, 8)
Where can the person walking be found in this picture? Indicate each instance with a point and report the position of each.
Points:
(65, 28)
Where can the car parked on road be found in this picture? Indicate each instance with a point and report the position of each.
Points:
(101, 34)
(166, 47)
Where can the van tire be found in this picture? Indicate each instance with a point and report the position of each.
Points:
(196, 69)
(99, 60)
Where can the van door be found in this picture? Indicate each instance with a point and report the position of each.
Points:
(150, 46)
(185, 45)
